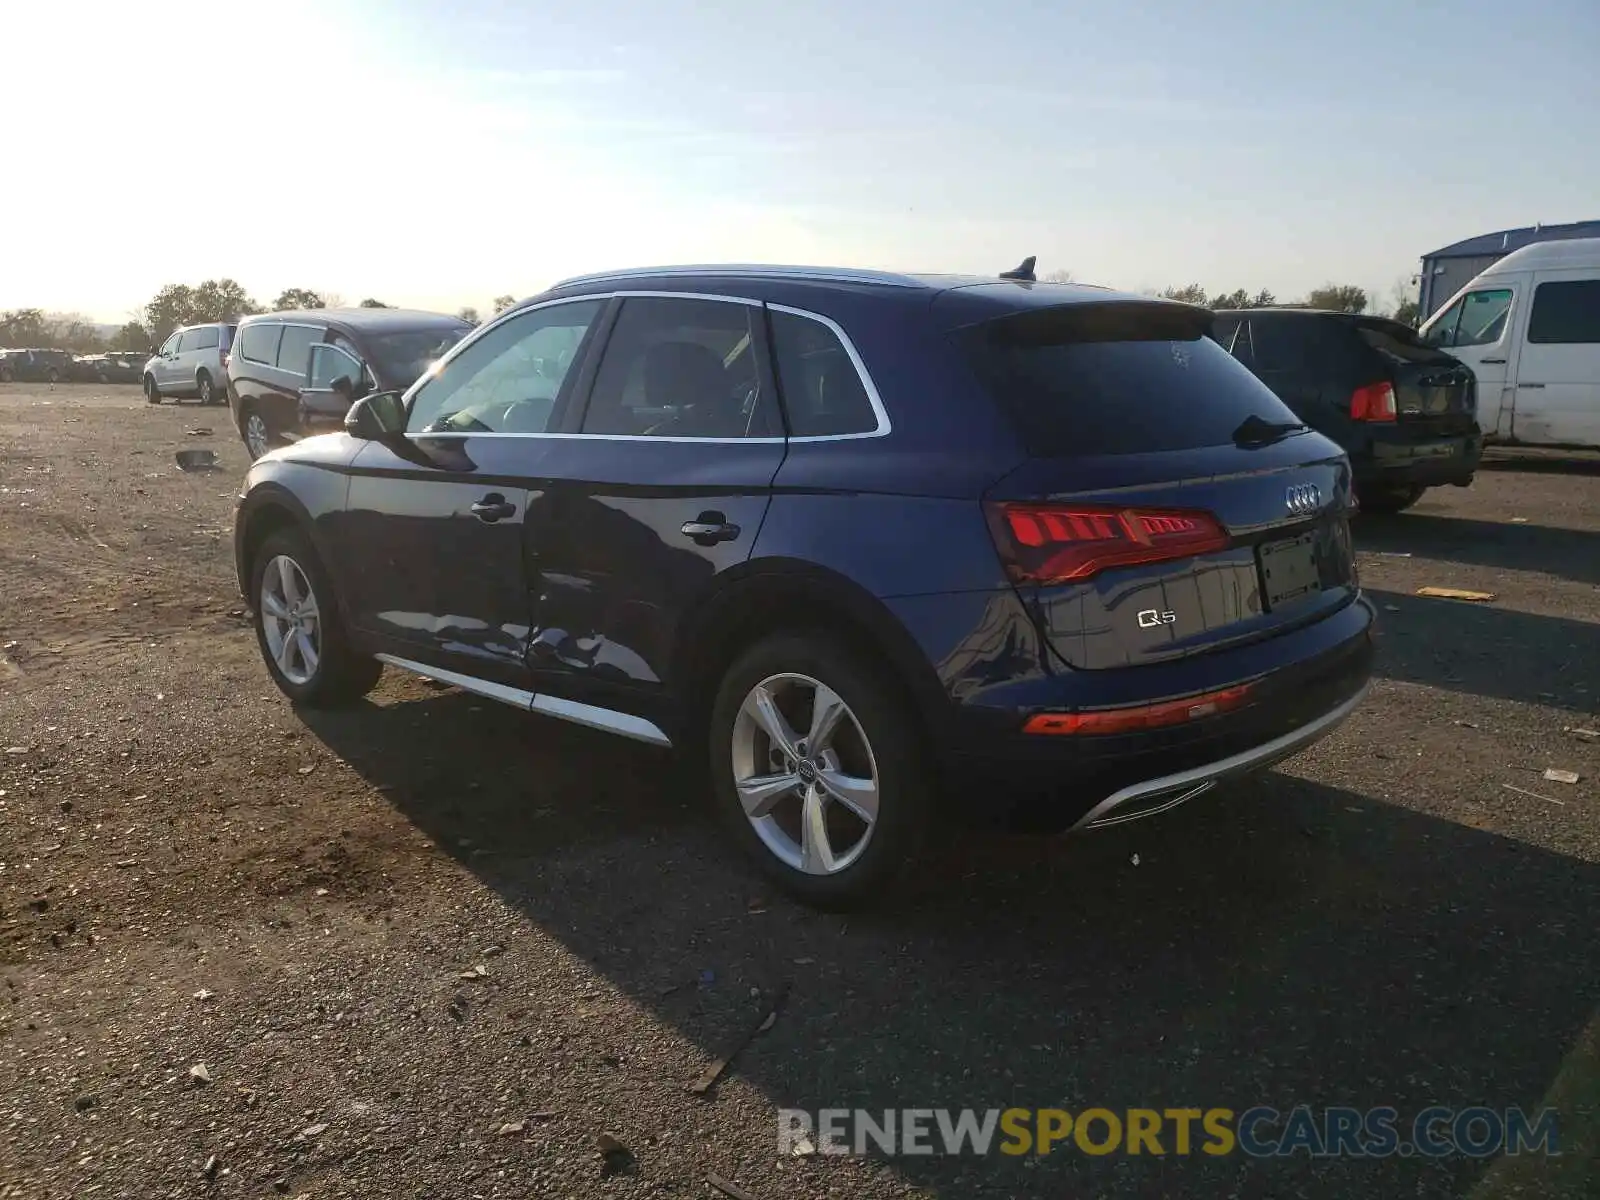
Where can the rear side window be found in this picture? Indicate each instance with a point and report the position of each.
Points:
(682, 368)
(822, 390)
(294, 351)
(1566, 313)
(1125, 378)
(1320, 346)
(259, 342)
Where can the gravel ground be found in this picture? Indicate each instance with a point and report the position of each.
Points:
(430, 947)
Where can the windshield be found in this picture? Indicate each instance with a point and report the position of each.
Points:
(401, 358)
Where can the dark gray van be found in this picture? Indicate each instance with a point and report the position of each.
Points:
(294, 374)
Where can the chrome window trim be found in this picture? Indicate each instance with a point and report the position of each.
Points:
(884, 426)
(878, 411)
(752, 271)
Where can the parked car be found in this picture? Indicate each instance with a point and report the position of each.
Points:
(35, 366)
(1405, 412)
(296, 373)
(112, 367)
(192, 362)
(1529, 327)
(855, 543)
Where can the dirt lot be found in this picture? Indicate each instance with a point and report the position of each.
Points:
(432, 947)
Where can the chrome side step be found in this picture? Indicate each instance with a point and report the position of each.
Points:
(591, 715)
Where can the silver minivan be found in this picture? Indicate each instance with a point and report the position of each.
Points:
(192, 362)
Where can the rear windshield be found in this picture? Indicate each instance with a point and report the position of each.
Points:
(1124, 378)
(1399, 342)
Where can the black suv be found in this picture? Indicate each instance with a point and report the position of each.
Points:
(291, 374)
(857, 544)
(1405, 412)
(35, 366)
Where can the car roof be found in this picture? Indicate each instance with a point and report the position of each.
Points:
(364, 320)
(980, 295)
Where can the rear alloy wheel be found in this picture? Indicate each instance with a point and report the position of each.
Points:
(204, 389)
(257, 437)
(1389, 499)
(152, 394)
(818, 770)
(298, 628)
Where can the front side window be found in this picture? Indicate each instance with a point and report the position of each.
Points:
(189, 340)
(822, 390)
(1477, 319)
(1566, 313)
(330, 362)
(170, 346)
(681, 368)
(259, 342)
(294, 351)
(508, 381)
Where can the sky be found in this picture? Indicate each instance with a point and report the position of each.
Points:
(438, 154)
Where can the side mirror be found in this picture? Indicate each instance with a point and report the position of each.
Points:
(379, 417)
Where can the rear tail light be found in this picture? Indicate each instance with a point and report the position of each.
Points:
(1141, 716)
(1050, 543)
(1375, 402)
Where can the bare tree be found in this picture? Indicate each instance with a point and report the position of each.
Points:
(501, 303)
(1338, 297)
(1061, 275)
(469, 315)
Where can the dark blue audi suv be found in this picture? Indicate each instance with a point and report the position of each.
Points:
(860, 546)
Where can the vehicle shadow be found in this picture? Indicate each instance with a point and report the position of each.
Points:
(1279, 943)
(1487, 651)
(1569, 553)
(1542, 462)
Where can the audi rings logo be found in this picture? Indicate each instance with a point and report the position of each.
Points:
(1303, 498)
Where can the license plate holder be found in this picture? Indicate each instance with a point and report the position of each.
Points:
(1289, 570)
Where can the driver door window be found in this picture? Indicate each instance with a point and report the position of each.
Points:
(170, 346)
(682, 369)
(330, 362)
(1477, 319)
(508, 380)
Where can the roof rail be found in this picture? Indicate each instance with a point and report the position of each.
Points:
(753, 271)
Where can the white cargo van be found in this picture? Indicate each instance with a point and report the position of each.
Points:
(1529, 327)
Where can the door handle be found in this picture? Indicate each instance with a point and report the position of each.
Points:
(492, 508)
(709, 528)
(1530, 385)
(1499, 362)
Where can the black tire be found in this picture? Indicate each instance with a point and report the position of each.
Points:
(204, 388)
(341, 675)
(1390, 499)
(883, 720)
(52, 376)
(152, 394)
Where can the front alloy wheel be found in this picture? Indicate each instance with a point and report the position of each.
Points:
(805, 774)
(290, 620)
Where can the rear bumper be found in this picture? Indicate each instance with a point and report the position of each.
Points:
(1429, 462)
(1304, 683)
(1166, 792)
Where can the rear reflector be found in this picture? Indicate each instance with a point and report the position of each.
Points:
(1143, 716)
(1050, 543)
(1375, 402)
